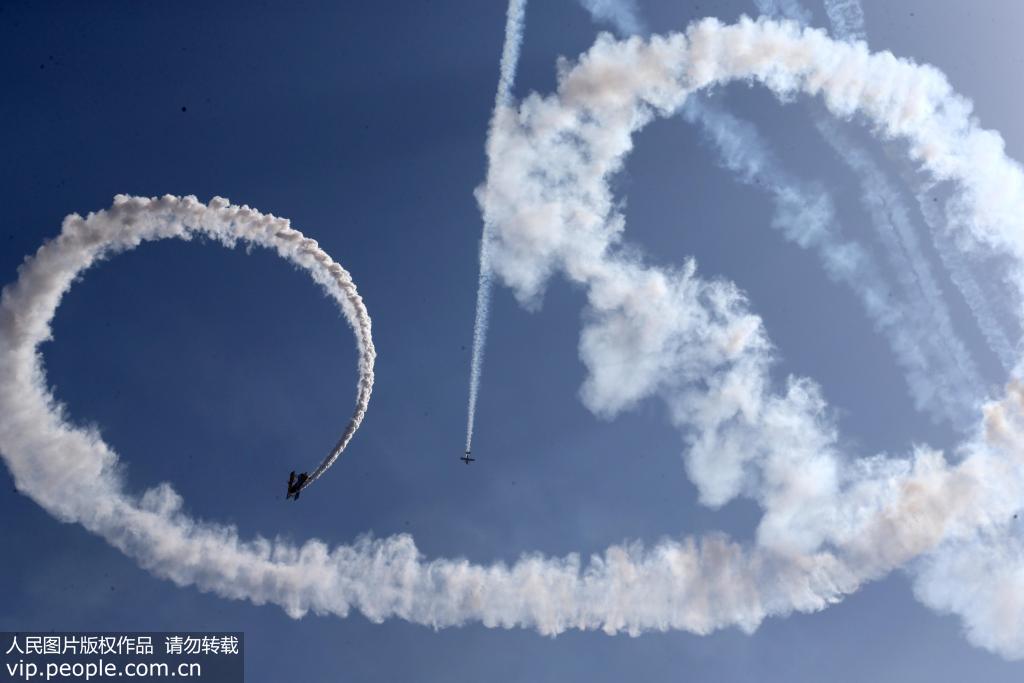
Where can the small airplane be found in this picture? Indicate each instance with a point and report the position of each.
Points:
(466, 459)
(295, 485)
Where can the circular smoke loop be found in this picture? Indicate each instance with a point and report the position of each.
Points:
(133, 220)
(832, 521)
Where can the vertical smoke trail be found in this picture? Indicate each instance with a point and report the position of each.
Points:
(509, 60)
(510, 52)
(970, 289)
(483, 313)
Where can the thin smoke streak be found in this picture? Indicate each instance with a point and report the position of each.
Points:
(483, 314)
(503, 98)
(960, 272)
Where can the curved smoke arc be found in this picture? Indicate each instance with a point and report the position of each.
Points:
(133, 220)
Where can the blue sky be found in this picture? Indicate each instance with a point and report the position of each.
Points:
(221, 371)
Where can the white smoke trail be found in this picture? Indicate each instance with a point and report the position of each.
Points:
(893, 226)
(939, 372)
(933, 364)
(925, 304)
(509, 61)
(831, 521)
(954, 259)
(555, 213)
(847, 20)
(132, 221)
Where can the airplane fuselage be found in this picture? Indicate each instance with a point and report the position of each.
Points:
(295, 484)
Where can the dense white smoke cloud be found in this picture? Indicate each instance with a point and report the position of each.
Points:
(831, 521)
(991, 565)
(693, 342)
(509, 60)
